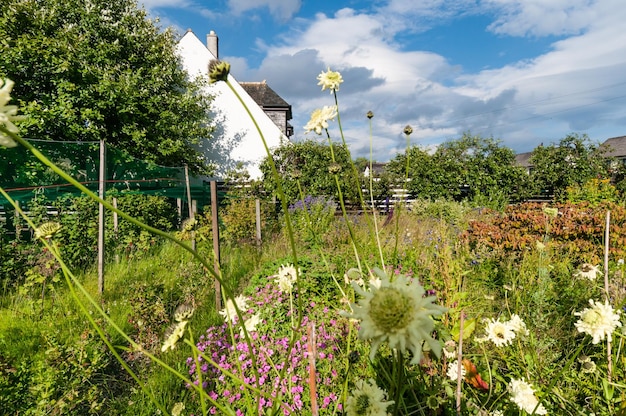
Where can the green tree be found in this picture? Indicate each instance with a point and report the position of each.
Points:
(469, 167)
(571, 162)
(101, 69)
(310, 163)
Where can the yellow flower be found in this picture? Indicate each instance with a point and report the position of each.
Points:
(397, 312)
(218, 71)
(551, 212)
(330, 79)
(178, 408)
(183, 312)
(173, 334)
(8, 113)
(319, 119)
(47, 230)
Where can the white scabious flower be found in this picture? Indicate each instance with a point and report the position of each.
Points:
(319, 119)
(397, 313)
(523, 396)
(229, 313)
(517, 325)
(453, 371)
(8, 113)
(449, 349)
(251, 324)
(500, 333)
(367, 399)
(329, 79)
(286, 277)
(178, 409)
(173, 334)
(599, 321)
(588, 271)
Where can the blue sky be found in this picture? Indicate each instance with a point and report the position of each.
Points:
(524, 72)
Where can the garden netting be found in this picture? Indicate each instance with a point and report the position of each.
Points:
(23, 176)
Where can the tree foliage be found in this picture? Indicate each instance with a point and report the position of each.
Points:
(573, 161)
(465, 168)
(100, 69)
(310, 164)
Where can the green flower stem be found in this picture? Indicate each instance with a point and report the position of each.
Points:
(279, 186)
(558, 376)
(345, 145)
(317, 241)
(376, 233)
(292, 241)
(343, 206)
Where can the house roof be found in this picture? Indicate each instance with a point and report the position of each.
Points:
(266, 97)
(523, 159)
(615, 147)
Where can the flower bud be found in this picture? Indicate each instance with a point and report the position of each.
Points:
(218, 71)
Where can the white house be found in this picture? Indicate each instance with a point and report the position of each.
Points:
(235, 139)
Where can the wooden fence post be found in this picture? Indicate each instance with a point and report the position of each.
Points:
(101, 191)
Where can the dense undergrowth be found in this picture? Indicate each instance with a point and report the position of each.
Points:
(485, 267)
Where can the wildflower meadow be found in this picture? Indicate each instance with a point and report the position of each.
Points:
(431, 308)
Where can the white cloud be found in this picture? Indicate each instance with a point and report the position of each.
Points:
(540, 17)
(572, 87)
(575, 85)
(281, 9)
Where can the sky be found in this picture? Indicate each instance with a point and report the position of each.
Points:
(525, 72)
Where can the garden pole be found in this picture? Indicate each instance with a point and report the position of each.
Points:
(216, 243)
(257, 205)
(101, 190)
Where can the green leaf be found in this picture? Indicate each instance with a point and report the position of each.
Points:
(469, 326)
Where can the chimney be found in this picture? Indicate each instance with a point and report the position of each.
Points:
(212, 44)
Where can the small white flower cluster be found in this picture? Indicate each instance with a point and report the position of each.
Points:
(523, 396)
(320, 118)
(329, 79)
(599, 321)
(503, 333)
(229, 313)
(453, 370)
(367, 399)
(286, 277)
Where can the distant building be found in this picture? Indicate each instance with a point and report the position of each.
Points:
(523, 160)
(615, 147)
(236, 139)
(274, 106)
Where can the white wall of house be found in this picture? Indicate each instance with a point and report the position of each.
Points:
(235, 139)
